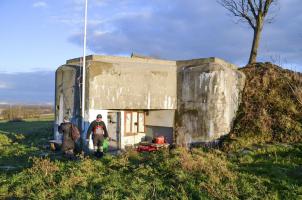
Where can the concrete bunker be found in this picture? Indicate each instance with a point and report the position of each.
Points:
(209, 93)
(136, 96)
(139, 98)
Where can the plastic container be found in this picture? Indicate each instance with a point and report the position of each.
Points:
(160, 140)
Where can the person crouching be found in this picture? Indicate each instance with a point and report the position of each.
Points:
(99, 133)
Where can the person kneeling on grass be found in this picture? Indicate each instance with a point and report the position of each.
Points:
(71, 138)
(99, 133)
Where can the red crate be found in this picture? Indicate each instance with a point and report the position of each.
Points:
(142, 148)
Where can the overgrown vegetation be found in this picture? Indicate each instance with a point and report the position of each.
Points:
(271, 109)
(260, 172)
(263, 158)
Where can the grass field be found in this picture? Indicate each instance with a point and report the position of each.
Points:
(29, 171)
(21, 140)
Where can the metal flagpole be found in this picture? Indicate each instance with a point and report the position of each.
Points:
(84, 69)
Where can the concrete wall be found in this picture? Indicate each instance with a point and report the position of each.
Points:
(67, 95)
(133, 139)
(209, 93)
(164, 118)
(160, 123)
(205, 92)
(131, 84)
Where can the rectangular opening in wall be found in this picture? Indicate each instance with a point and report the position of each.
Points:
(141, 122)
(128, 118)
(134, 122)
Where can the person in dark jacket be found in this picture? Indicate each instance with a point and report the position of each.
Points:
(68, 144)
(99, 133)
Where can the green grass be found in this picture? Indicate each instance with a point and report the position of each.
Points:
(21, 140)
(277, 168)
(266, 171)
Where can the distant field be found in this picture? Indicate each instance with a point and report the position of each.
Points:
(19, 111)
(30, 171)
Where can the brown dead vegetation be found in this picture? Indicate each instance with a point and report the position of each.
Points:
(271, 108)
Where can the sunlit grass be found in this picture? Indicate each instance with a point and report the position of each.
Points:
(21, 140)
(267, 171)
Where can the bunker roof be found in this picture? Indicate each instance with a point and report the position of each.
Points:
(135, 58)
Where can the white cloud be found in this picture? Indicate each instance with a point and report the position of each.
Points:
(100, 33)
(75, 21)
(4, 85)
(177, 29)
(40, 4)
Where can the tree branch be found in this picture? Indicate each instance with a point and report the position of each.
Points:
(249, 20)
(256, 5)
(260, 7)
(266, 6)
(238, 10)
(252, 8)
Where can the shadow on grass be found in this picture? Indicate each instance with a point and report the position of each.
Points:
(276, 172)
(26, 127)
(21, 140)
(280, 167)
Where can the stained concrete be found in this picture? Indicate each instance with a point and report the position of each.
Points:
(131, 85)
(163, 118)
(209, 93)
(67, 95)
(204, 94)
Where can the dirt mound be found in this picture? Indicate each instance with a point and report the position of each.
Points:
(271, 108)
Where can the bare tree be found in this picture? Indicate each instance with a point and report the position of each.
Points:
(254, 12)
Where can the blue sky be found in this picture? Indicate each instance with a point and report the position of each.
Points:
(33, 36)
(39, 35)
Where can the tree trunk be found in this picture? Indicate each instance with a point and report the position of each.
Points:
(256, 40)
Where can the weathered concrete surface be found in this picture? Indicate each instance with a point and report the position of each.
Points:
(204, 92)
(129, 83)
(163, 118)
(160, 123)
(209, 93)
(67, 94)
